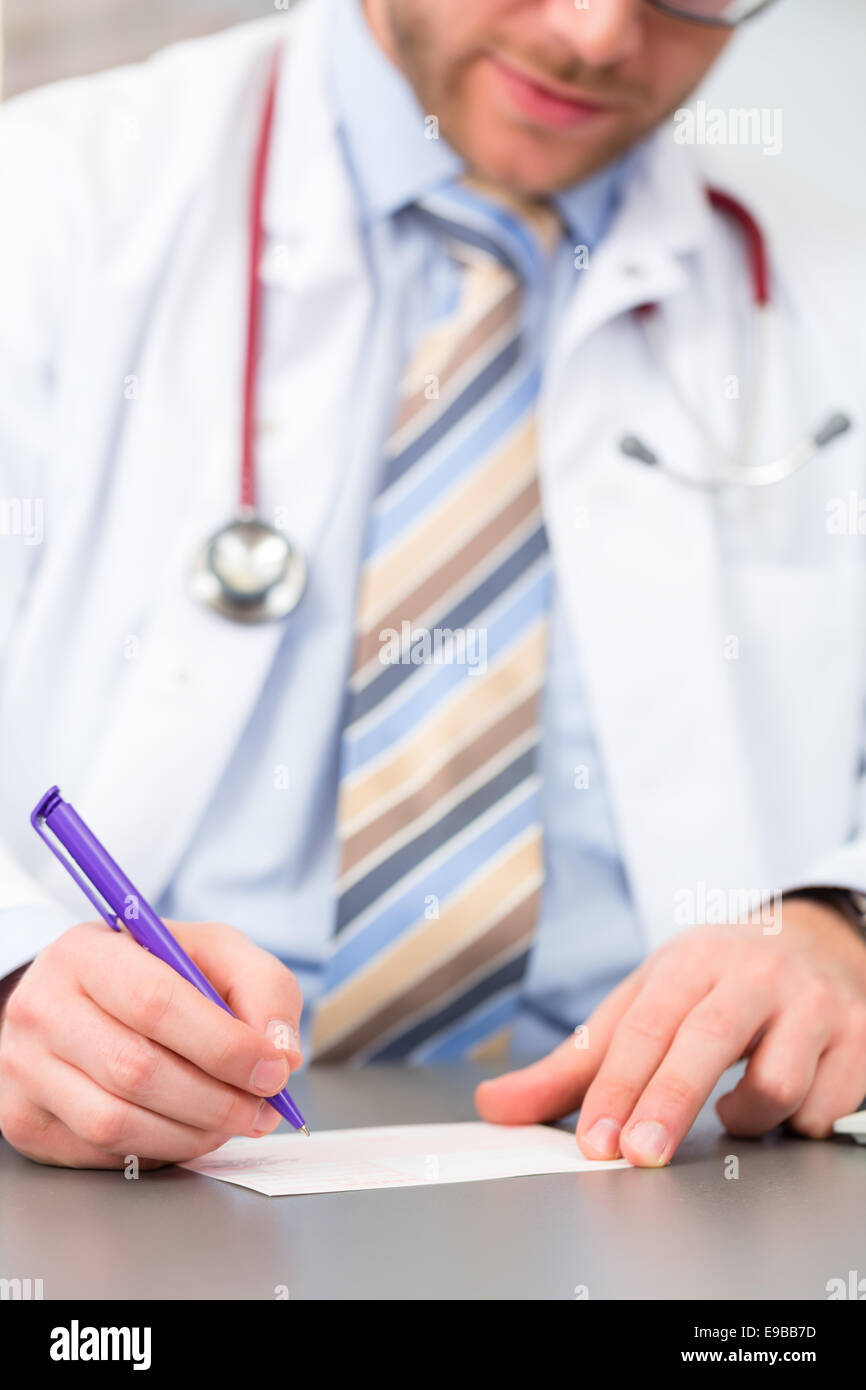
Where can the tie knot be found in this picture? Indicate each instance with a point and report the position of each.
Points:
(538, 216)
(477, 217)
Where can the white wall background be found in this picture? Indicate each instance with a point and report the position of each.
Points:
(806, 57)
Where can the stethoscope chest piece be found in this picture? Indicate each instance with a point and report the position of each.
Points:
(249, 572)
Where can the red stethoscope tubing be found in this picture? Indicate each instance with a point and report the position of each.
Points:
(254, 299)
(756, 248)
(756, 245)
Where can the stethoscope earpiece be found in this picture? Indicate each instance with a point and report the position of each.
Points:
(635, 448)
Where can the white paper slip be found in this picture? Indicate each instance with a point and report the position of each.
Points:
(350, 1160)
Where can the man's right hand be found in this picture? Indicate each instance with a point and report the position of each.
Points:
(106, 1052)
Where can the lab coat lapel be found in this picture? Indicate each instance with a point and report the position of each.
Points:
(184, 702)
(638, 564)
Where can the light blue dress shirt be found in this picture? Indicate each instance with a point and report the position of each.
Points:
(267, 862)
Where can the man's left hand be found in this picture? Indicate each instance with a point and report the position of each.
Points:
(641, 1068)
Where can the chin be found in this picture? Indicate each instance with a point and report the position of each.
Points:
(529, 164)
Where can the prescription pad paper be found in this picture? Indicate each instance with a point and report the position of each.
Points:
(353, 1160)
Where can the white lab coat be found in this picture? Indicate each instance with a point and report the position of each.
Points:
(722, 644)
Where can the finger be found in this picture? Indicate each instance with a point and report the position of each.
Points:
(154, 1001)
(779, 1074)
(139, 1070)
(642, 1037)
(40, 1136)
(257, 987)
(554, 1085)
(115, 1126)
(838, 1089)
(710, 1038)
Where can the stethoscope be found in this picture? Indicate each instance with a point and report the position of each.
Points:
(734, 470)
(250, 572)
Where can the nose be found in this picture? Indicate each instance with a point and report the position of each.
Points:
(600, 32)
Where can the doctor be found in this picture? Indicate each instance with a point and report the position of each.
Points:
(560, 749)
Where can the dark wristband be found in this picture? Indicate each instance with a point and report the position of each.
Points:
(851, 905)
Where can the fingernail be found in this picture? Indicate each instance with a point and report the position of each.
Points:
(813, 1127)
(260, 1123)
(269, 1077)
(283, 1035)
(649, 1140)
(603, 1137)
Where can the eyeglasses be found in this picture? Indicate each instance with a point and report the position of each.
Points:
(724, 14)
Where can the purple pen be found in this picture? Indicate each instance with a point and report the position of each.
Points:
(120, 903)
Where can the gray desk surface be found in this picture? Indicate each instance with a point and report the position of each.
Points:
(794, 1218)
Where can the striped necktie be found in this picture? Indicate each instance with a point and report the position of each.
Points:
(441, 855)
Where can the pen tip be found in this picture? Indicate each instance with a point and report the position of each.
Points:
(304, 1130)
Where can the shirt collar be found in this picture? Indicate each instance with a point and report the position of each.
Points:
(392, 156)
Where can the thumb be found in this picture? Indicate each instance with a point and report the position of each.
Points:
(257, 987)
(556, 1084)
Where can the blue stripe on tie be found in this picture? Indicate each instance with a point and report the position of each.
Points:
(492, 587)
(378, 880)
(495, 1014)
(463, 232)
(508, 976)
(493, 228)
(452, 872)
(440, 681)
(480, 386)
(391, 517)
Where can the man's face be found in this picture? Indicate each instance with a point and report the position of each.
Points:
(538, 94)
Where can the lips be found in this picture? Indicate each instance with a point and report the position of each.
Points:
(543, 104)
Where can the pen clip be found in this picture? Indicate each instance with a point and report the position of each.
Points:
(37, 820)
